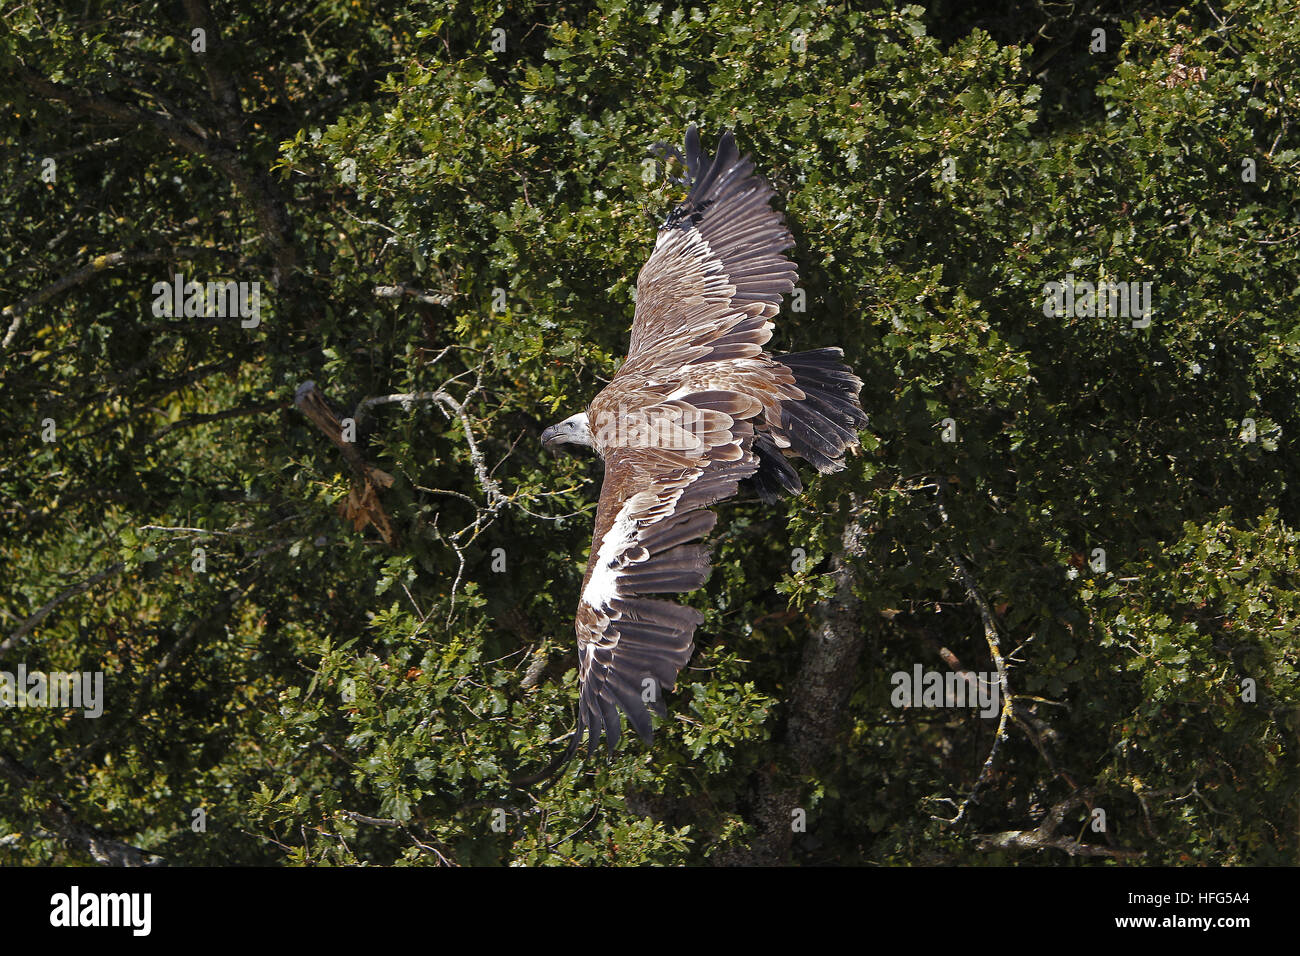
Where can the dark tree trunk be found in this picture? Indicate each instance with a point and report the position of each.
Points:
(817, 705)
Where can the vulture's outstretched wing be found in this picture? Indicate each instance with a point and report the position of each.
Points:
(653, 511)
(717, 273)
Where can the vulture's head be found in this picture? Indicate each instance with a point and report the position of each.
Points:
(574, 430)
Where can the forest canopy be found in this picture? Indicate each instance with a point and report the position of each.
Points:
(300, 523)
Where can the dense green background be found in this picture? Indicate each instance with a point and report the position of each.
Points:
(327, 698)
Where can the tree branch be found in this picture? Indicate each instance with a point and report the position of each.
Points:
(26, 627)
(267, 207)
(402, 290)
(93, 268)
(817, 703)
(102, 848)
(1044, 837)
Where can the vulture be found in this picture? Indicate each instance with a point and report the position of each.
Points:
(698, 408)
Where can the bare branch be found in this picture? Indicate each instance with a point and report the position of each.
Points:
(189, 421)
(26, 627)
(102, 848)
(93, 268)
(1044, 836)
(362, 506)
(255, 188)
(402, 290)
(1008, 702)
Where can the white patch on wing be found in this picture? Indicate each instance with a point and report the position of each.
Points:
(602, 586)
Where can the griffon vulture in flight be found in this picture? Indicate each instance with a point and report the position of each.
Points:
(698, 407)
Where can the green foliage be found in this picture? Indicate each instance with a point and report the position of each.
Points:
(327, 698)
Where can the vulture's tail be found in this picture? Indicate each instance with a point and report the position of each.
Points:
(819, 427)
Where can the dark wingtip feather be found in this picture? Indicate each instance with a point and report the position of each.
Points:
(693, 151)
(775, 477)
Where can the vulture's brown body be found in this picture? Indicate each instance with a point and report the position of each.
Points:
(698, 407)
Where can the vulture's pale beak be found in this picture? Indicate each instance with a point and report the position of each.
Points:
(550, 435)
